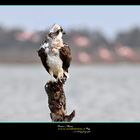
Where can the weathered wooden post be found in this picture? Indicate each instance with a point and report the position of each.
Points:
(57, 102)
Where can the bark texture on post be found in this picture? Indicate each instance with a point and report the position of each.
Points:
(57, 102)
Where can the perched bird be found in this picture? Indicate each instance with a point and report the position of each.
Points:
(56, 55)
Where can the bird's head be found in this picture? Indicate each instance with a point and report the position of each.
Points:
(55, 31)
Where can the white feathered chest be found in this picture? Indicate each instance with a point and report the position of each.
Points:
(55, 63)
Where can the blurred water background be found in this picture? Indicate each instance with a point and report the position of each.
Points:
(97, 93)
(104, 74)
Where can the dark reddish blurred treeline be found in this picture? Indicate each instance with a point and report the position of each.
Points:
(88, 46)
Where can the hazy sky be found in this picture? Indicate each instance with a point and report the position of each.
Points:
(108, 19)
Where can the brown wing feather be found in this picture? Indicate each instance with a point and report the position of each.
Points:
(65, 55)
(43, 57)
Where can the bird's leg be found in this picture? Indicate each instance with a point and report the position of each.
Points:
(51, 73)
(60, 76)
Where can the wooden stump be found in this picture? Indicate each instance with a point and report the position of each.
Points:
(57, 102)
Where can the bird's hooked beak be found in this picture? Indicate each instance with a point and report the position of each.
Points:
(64, 32)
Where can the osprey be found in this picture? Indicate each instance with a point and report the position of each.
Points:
(56, 55)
